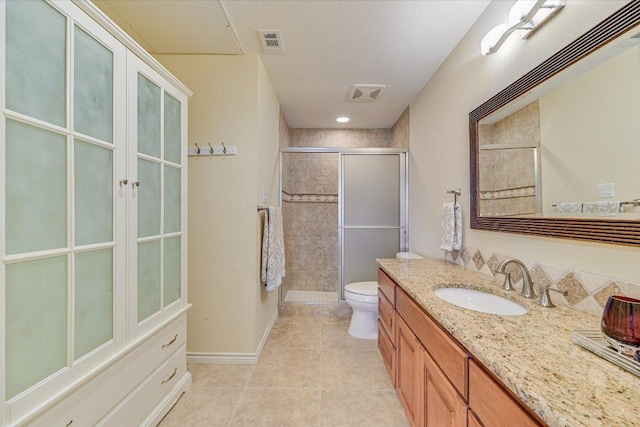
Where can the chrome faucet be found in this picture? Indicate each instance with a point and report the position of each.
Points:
(527, 284)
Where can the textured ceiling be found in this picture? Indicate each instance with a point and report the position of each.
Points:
(328, 46)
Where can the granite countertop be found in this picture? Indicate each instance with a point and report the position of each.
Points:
(532, 354)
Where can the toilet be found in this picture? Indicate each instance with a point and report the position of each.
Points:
(363, 299)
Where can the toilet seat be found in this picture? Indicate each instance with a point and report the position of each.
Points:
(362, 292)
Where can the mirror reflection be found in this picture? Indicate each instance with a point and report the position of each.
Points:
(569, 147)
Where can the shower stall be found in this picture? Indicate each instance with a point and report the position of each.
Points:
(342, 209)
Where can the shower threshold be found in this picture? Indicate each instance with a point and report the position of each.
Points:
(311, 296)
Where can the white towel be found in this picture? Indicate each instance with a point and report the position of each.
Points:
(569, 207)
(273, 266)
(451, 227)
(602, 207)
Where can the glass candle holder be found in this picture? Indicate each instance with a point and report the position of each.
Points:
(621, 323)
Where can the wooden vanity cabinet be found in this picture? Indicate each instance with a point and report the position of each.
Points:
(387, 323)
(442, 404)
(492, 404)
(472, 420)
(436, 379)
(409, 358)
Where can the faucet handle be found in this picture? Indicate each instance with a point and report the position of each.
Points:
(507, 286)
(545, 298)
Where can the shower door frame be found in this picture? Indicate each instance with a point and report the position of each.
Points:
(403, 158)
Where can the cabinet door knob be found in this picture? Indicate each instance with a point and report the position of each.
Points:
(69, 423)
(124, 182)
(135, 184)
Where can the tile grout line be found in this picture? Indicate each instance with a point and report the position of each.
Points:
(244, 389)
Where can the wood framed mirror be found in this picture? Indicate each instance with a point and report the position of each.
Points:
(622, 29)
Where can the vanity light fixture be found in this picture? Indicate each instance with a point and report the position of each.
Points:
(527, 15)
(342, 119)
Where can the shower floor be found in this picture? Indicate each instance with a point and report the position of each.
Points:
(311, 296)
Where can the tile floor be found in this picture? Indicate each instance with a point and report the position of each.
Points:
(311, 373)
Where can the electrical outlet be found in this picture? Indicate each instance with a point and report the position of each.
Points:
(606, 190)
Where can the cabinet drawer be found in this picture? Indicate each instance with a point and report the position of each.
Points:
(387, 316)
(492, 404)
(94, 400)
(387, 286)
(448, 354)
(388, 352)
(150, 393)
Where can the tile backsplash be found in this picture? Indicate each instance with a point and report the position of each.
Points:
(586, 292)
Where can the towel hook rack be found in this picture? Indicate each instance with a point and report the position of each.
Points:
(197, 148)
(457, 192)
(210, 148)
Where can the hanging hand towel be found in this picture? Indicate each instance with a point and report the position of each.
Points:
(451, 227)
(273, 266)
(569, 207)
(602, 207)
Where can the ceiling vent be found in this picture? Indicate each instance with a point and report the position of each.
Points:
(365, 93)
(271, 41)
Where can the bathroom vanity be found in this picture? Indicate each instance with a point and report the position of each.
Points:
(453, 366)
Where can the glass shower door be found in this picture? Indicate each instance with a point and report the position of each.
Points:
(372, 213)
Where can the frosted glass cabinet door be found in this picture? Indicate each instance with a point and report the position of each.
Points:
(149, 284)
(93, 87)
(36, 189)
(94, 193)
(149, 118)
(149, 197)
(36, 321)
(172, 273)
(36, 60)
(172, 129)
(172, 188)
(93, 316)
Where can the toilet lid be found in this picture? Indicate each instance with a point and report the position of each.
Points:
(363, 288)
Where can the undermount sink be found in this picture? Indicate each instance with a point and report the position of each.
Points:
(480, 301)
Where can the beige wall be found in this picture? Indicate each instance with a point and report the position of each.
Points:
(440, 138)
(268, 140)
(590, 131)
(232, 103)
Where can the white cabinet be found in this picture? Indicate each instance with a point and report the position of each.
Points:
(93, 209)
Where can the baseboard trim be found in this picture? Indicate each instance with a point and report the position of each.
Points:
(234, 358)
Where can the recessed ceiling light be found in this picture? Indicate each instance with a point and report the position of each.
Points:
(342, 119)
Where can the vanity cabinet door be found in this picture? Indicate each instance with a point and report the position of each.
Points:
(443, 405)
(409, 372)
(492, 404)
(472, 420)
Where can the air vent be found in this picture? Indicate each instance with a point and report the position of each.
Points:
(271, 41)
(365, 93)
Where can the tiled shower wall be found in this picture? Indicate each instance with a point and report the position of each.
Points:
(507, 177)
(587, 292)
(310, 199)
(310, 214)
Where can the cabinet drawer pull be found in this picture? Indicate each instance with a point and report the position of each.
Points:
(170, 342)
(175, 370)
(69, 423)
